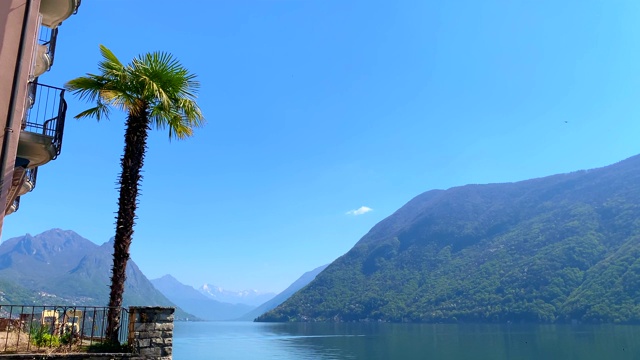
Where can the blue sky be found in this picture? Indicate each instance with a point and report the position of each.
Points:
(318, 108)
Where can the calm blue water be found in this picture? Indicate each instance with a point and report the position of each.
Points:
(247, 340)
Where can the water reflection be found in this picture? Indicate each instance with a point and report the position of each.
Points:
(229, 340)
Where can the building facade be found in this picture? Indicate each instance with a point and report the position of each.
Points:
(31, 114)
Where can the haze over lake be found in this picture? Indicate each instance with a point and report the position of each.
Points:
(247, 340)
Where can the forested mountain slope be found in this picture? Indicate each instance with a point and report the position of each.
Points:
(560, 248)
(302, 281)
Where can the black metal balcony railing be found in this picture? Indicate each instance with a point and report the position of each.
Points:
(46, 115)
(32, 90)
(15, 206)
(25, 328)
(75, 11)
(32, 175)
(48, 38)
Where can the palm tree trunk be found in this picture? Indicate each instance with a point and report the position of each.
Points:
(135, 145)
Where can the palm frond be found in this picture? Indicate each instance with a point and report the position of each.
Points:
(181, 118)
(191, 113)
(99, 111)
(86, 87)
(110, 66)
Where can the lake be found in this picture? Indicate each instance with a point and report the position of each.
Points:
(247, 340)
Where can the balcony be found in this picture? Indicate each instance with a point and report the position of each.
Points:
(43, 126)
(54, 12)
(23, 181)
(29, 181)
(45, 50)
(15, 205)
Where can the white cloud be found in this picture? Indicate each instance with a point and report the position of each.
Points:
(359, 211)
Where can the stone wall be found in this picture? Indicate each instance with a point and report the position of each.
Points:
(151, 332)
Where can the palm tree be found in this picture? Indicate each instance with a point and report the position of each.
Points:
(155, 90)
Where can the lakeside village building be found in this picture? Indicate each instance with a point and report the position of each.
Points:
(31, 114)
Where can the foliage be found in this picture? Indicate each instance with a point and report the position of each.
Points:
(41, 336)
(69, 336)
(557, 249)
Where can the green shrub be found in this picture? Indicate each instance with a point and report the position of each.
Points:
(40, 336)
(68, 338)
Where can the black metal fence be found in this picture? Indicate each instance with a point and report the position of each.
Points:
(25, 328)
(47, 114)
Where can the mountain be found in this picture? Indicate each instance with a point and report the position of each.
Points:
(32, 261)
(560, 248)
(302, 281)
(59, 267)
(247, 297)
(194, 302)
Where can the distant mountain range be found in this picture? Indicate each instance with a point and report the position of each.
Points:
(559, 248)
(59, 267)
(196, 302)
(247, 297)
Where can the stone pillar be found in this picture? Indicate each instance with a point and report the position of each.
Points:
(151, 332)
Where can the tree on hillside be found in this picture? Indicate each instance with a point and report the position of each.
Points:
(155, 90)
